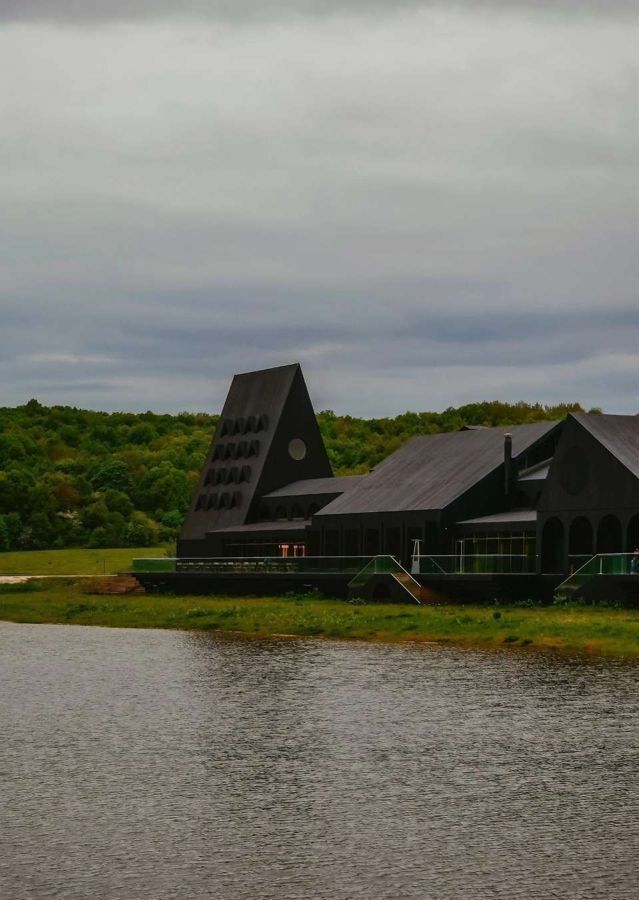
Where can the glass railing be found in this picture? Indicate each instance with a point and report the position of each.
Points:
(577, 560)
(365, 566)
(614, 564)
(385, 565)
(378, 565)
(247, 565)
(153, 564)
(475, 564)
(601, 564)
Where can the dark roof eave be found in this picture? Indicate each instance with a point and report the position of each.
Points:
(266, 527)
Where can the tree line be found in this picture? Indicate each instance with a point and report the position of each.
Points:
(79, 478)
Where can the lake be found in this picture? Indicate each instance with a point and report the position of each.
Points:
(148, 765)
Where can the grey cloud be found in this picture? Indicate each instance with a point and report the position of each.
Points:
(83, 12)
(424, 362)
(421, 216)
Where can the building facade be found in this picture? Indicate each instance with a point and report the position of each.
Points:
(536, 498)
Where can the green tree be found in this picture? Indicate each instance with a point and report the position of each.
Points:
(16, 486)
(5, 542)
(163, 487)
(13, 446)
(171, 524)
(141, 531)
(96, 515)
(99, 537)
(143, 433)
(118, 502)
(13, 525)
(112, 474)
(40, 531)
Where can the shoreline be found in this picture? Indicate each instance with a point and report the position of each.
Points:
(589, 632)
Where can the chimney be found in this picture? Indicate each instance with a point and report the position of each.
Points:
(508, 462)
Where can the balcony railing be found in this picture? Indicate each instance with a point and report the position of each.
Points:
(437, 564)
(475, 564)
(601, 564)
(253, 565)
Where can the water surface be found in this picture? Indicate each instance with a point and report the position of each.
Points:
(148, 765)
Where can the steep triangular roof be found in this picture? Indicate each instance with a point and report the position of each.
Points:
(250, 454)
(618, 434)
(430, 472)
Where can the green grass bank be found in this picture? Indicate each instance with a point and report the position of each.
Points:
(598, 631)
(74, 561)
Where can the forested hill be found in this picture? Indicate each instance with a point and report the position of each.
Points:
(74, 477)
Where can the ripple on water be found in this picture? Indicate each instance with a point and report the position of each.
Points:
(150, 764)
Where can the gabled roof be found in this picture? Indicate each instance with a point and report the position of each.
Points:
(618, 434)
(430, 472)
(250, 454)
(316, 486)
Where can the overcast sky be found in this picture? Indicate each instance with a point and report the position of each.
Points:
(426, 204)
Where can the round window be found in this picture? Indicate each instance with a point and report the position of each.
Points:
(297, 449)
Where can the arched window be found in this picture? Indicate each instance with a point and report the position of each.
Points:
(632, 541)
(280, 514)
(580, 539)
(609, 535)
(297, 512)
(552, 547)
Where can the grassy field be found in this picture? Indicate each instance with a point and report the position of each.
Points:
(578, 630)
(73, 561)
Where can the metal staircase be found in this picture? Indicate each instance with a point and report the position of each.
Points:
(406, 580)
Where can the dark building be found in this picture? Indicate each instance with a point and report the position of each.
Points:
(267, 438)
(538, 498)
(443, 491)
(590, 501)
